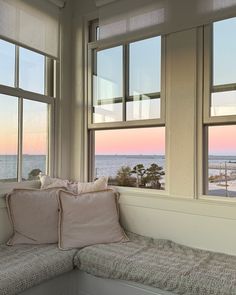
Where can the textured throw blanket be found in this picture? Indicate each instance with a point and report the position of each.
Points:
(162, 264)
(24, 266)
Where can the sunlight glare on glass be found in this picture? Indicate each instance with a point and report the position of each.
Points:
(143, 109)
(223, 103)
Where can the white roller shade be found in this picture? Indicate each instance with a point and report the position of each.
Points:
(122, 17)
(31, 23)
(58, 3)
(100, 3)
(125, 16)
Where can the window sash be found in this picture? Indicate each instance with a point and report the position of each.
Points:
(207, 119)
(101, 45)
(209, 88)
(48, 98)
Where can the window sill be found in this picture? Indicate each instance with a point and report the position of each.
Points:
(134, 191)
(217, 199)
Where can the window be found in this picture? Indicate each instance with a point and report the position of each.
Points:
(131, 92)
(220, 109)
(26, 103)
(126, 112)
(120, 155)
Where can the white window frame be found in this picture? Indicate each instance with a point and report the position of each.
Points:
(92, 127)
(101, 45)
(49, 98)
(206, 119)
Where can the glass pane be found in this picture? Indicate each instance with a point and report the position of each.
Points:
(224, 52)
(145, 66)
(107, 113)
(31, 71)
(223, 103)
(131, 157)
(7, 63)
(222, 161)
(108, 74)
(35, 139)
(107, 82)
(8, 137)
(143, 109)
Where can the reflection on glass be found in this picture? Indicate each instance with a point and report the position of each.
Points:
(107, 113)
(223, 103)
(31, 71)
(7, 63)
(8, 137)
(145, 66)
(107, 79)
(131, 157)
(143, 109)
(224, 52)
(222, 161)
(108, 85)
(35, 139)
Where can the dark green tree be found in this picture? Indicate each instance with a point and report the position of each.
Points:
(140, 171)
(34, 174)
(123, 176)
(153, 175)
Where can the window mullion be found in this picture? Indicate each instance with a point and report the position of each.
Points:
(208, 68)
(125, 78)
(20, 118)
(48, 77)
(20, 138)
(162, 93)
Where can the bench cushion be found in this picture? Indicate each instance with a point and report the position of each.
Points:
(25, 266)
(162, 264)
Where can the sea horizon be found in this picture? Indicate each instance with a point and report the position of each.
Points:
(104, 166)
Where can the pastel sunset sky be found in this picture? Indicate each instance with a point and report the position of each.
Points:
(222, 139)
(31, 77)
(146, 141)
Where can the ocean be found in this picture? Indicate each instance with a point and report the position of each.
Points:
(108, 165)
(8, 166)
(105, 165)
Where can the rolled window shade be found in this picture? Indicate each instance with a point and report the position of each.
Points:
(123, 17)
(31, 23)
(100, 3)
(58, 3)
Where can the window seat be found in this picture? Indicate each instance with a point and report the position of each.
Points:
(24, 266)
(161, 264)
(141, 266)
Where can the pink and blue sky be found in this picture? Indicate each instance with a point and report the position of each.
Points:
(222, 139)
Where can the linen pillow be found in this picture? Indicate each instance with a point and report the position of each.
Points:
(34, 216)
(72, 186)
(98, 185)
(50, 182)
(88, 219)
